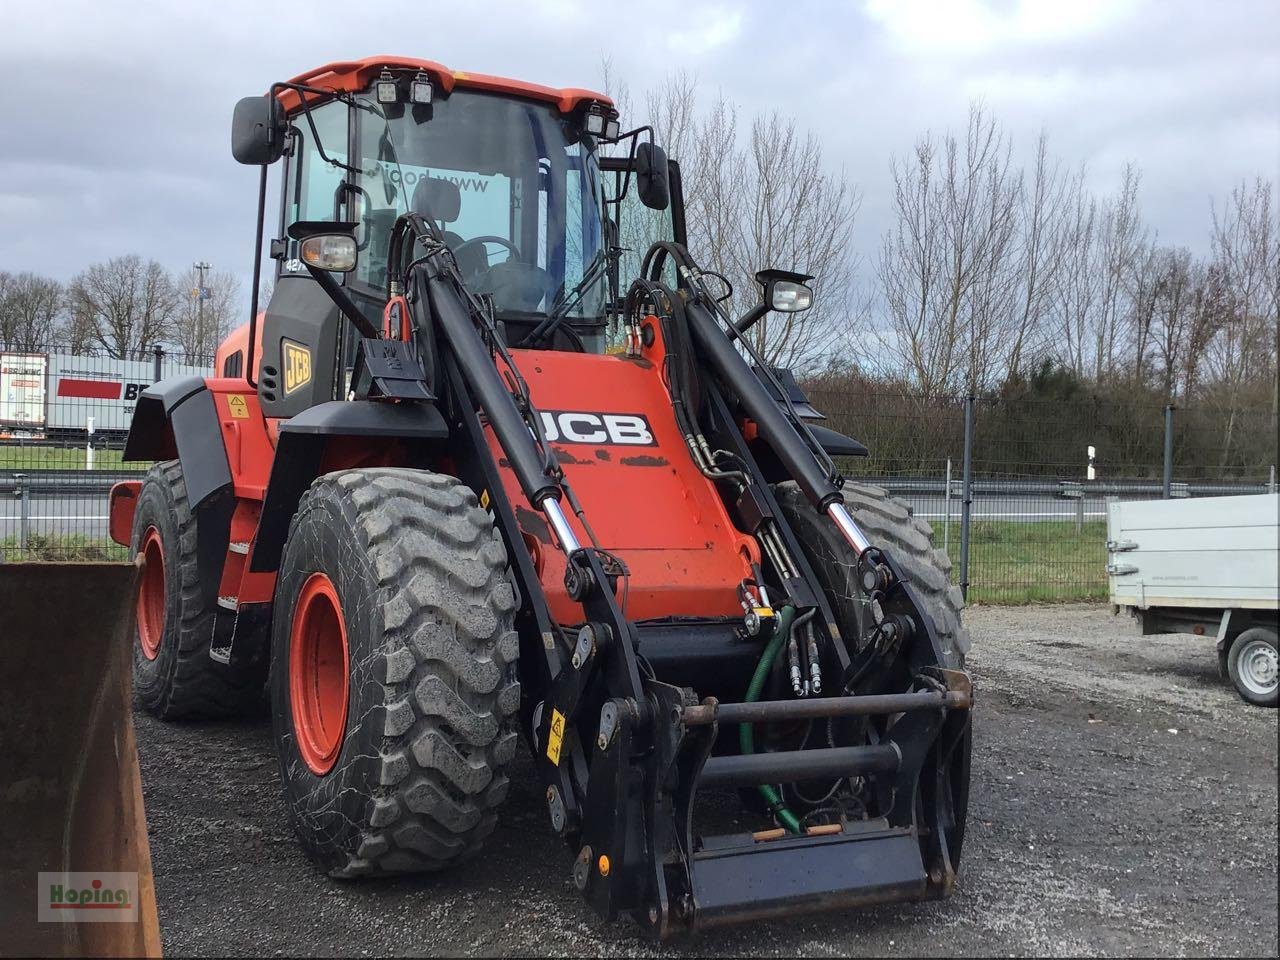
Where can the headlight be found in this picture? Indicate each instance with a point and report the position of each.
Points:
(333, 252)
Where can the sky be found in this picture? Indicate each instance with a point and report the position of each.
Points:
(116, 128)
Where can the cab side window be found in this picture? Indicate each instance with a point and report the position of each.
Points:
(311, 183)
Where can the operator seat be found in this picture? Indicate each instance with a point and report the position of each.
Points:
(440, 201)
(513, 284)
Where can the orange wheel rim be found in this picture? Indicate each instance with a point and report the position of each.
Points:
(318, 665)
(151, 599)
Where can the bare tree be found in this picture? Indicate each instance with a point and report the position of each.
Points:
(796, 216)
(31, 310)
(763, 199)
(1075, 286)
(1246, 251)
(200, 325)
(1042, 249)
(125, 304)
(1176, 283)
(1121, 241)
(1145, 289)
(948, 268)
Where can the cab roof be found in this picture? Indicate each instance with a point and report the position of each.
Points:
(351, 76)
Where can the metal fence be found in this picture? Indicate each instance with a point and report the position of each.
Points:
(1023, 517)
(1016, 491)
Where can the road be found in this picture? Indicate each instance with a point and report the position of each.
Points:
(1124, 802)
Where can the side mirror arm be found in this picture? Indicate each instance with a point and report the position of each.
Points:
(751, 317)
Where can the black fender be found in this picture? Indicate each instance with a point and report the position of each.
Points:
(837, 444)
(176, 419)
(300, 451)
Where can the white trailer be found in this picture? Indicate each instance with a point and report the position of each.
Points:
(1208, 566)
(22, 391)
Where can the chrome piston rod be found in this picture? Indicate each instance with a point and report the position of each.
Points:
(560, 524)
(850, 530)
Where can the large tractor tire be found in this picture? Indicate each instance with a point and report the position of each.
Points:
(173, 675)
(889, 524)
(394, 689)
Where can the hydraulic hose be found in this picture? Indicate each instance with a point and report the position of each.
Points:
(746, 734)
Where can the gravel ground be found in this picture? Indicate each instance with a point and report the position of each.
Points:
(1124, 802)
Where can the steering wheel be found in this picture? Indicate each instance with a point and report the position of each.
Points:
(488, 238)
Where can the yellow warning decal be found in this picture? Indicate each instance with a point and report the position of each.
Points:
(297, 366)
(555, 737)
(484, 499)
(239, 408)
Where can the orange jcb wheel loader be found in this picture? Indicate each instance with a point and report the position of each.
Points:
(493, 465)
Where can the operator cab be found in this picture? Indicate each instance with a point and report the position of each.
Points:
(511, 174)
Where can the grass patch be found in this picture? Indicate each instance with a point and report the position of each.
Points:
(1009, 562)
(64, 548)
(1037, 561)
(14, 456)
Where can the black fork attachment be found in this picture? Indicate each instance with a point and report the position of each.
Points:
(623, 755)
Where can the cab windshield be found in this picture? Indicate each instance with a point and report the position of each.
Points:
(513, 186)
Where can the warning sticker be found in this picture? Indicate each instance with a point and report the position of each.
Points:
(555, 737)
(239, 408)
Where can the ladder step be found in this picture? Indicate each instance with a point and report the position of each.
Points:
(239, 547)
(229, 603)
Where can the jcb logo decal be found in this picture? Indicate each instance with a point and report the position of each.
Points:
(623, 429)
(297, 366)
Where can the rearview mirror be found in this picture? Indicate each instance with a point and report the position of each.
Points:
(258, 129)
(651, 176)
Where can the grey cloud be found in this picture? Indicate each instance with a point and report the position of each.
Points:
(118, 139)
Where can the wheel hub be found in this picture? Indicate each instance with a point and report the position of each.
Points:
(318, 674)
(1259, 667)
(151, 594)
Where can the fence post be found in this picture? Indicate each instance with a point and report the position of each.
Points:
(1168, 451)
(946, 523)
(159, 358)
(23, 493)
(1080, 514)
(967, 501)
(1271, 480)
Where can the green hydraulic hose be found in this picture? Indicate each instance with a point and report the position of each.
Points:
(746, 735)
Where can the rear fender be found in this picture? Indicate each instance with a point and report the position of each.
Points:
(177, 419)
(335, 435)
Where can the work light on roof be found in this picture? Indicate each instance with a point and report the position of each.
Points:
(385, 88)
(420, 89)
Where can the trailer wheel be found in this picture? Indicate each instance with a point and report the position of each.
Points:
(1252, 665)
(393, 675)
(173, 675)
(889, 523)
